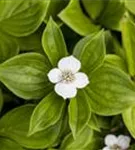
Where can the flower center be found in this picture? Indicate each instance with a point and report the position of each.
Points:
(68, 76)
(116, 147)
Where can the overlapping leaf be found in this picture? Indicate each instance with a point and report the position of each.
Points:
(73, 16)
(6, 144)
(15, 125)
(21, 17)
(79, 113)
(111, 91)
(91, 51)
(129, 120)
(8, 47)
(26, 75)
(47, 113)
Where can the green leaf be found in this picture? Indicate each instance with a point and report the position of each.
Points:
(129, 120)
(15, 125)
(74, 17)
(79, 113)
(116, 61)
(97, 122)
(82, 140)
(86, 140)
(65, 125)
(128, 32)
(47, 113)
(53, 42)
(7, 144)
(96, 143)
(54, 7)
(94, 8)
(31, 42)
(112, 14)
(26, 75)
(130, 5)
(21, 17)
(113, 45)
(91, 53)
(110, 91)
(8, 47)
(93, 123)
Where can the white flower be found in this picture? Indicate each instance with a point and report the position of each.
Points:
(67, 78)
(116, 143)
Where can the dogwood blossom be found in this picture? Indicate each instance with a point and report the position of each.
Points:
(116, 143)
(66, 77)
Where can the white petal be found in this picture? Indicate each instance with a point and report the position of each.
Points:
(81, 80)
(106, 148)
(55, 75)
(69, 63)
(124, 141)
(65, 90)
(111, 140)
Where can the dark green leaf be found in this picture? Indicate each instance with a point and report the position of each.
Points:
(93, 123)
(31, 42)
(94, 7)
(97, 122)
(112, 14)
(113, 45)
(1, 99)
(54, 7)
(8, 47)
(74, 17)
(7, 144)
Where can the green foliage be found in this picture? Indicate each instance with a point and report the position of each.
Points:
(116, 61)
(7, 144)
(79, 113)
(53, 42)
(21, 18)
(112, 14)
(94, 8)
(112, 92)
(91, 53)
(8, 47)
(15, 125)
(129, 120)
(128, 31)
(85, 140)
(34, 36)
(54, 7)
(73, 16)
(26, 75)
(130, 6)
(46, 113)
